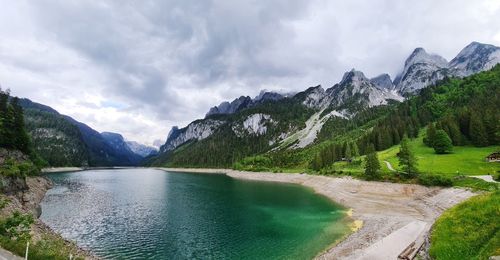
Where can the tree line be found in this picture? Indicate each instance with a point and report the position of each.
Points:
(13, 133)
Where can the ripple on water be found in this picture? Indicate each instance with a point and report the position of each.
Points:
(151, 214)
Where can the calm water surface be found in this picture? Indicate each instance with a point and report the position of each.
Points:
(153, 214)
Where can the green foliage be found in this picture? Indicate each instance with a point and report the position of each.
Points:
(435, 180)
(407, 159)
(430, 135)
(57, 141)
(17, 226)
(372, 166)
(470, 230)
(442, 142)
(253, 163)
(13, 134)
(475, 184)
(18, 169)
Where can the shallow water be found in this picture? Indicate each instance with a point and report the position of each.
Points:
(153, 214)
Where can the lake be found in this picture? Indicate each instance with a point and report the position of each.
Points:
(154, 214)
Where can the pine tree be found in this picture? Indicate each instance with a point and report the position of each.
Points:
(372, 165)
(442, 142)
(407, 159)
(477, 131)
(348, 153)
(355, 149)
(431, 135)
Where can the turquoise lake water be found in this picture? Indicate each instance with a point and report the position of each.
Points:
(154, 214)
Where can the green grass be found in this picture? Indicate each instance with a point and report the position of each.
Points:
(465, 160)
(470, 230)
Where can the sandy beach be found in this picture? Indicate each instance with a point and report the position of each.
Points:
(388, 217)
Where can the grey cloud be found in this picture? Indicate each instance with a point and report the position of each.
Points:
(172, 60)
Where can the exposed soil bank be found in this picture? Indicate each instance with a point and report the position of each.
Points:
(27, 200)
(378, 208)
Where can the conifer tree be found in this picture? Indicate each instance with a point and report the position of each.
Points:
(477, 131)
(442, 142)
(407, 159)
(372, 165)
(431, 135)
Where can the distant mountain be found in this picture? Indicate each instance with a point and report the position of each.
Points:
(243, 102)
(141, 149)
(63, 141)
(118, 143)
(273, 121)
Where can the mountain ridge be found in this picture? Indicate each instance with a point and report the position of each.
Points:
(354, 93)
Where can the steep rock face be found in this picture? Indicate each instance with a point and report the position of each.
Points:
(313, 97)
(243, 102)
(382, 82)
(197, 130)
(358, 89)
(230, 108)
(474, 58)
(255, 124)
(141, 149)
(268, 96)
(421, 70)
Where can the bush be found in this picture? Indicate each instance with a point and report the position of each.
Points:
(18, 169)
(257, 163)
(435, 180)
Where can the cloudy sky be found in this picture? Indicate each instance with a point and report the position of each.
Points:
(141, 67)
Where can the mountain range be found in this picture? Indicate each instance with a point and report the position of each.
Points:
(274, 121)
(63, 141)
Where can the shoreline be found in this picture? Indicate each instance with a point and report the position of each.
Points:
(381, 211)
(28, 201)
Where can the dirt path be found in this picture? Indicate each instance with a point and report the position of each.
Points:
(487, 178)
(378, 208)
(389, 166)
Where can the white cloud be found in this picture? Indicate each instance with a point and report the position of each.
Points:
(138, 68)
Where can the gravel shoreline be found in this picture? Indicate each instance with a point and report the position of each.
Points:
(378, 208)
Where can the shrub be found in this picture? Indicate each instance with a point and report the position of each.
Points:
(435, 180)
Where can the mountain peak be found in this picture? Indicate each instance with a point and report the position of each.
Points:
(475, 57)
(383, 81)
(353, 76)
(419, 55)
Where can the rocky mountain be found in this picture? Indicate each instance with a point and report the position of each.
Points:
(273, 121)
(423, 69)
(356, 88)
(383, 81)
(243, 102)
(63, 141)
(197, 130)
(117, 142)
(474, 58)
(141, 149)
